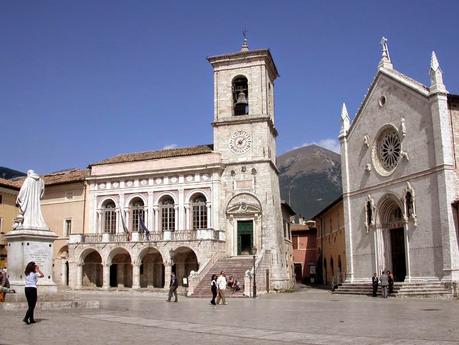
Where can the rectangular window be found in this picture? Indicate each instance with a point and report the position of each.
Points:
(295, 242)
(1, 199)
(67, 227)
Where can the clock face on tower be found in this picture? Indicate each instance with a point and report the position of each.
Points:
(240, 142)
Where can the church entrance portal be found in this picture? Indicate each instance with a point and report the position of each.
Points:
(397, 247)
(244, 237)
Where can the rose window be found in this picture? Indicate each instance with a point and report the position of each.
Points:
(389, 149)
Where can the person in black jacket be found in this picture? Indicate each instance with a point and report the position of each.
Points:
(173, 287)
(375, 281)
(213, 288)
(391, 282)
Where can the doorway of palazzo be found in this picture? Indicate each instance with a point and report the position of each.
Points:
(397, 248)
(244, 237)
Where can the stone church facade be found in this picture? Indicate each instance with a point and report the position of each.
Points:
(400, 179)
(147, 214)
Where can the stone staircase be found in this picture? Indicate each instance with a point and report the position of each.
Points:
(235, 266)
(401, 289)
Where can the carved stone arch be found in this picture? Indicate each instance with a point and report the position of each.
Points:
(115, 251)
(85, 252)
(387, 208)
(166, 193)
(193, 192)
(147, 250)
(244, 204)
(106, 198)
(131, 197)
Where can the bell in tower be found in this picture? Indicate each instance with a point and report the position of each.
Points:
(240, 96)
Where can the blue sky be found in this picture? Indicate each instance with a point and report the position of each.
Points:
(84, 80)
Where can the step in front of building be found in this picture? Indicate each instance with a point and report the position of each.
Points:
(235, 266)
(401, 289)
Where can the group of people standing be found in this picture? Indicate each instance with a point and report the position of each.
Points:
(218, 287)
(386, 280)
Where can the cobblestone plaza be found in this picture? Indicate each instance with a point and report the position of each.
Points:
(308, 316)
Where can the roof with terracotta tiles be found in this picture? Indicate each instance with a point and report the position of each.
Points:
(10, 184)
(169, 153)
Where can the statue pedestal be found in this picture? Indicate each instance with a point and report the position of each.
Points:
(25, 245)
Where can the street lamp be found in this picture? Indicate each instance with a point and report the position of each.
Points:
(254, 253)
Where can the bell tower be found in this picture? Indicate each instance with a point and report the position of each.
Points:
(244, 104)
(245, 136)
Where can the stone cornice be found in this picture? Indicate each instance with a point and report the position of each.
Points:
(399, 180)
(167, 171)
(246, 119)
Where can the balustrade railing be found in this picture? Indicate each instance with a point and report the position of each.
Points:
(119, 237)
(184, 235)
(150, 237)
(178, 235)
(92, 238)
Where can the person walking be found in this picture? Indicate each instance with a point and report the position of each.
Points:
(32, 273)
(173, 285)
(213, 288)
(375, 283)
(391, 282)
(221, 285)
(384, 279)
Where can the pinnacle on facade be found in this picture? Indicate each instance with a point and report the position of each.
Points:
(345, 121)
(385, 61)
(436, 75)
(245, 45)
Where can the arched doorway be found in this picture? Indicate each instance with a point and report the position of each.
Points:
(185, 261)
(61, 266)
(120, 268)
(151, 269)
(393, 238)
(92, 269)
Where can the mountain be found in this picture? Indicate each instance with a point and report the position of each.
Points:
(310, 179)
(8, 173)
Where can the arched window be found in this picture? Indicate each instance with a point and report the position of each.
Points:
(199, 207)
(167, 213)
(109, 216)
(136, 209)
(240, 96)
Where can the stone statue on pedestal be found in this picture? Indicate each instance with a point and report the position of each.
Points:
(31, 239)
(28, 201)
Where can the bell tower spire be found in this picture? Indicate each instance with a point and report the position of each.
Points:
(385, 61)
(245, 44)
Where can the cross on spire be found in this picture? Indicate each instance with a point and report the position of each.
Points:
(245, 44)
(385, 57)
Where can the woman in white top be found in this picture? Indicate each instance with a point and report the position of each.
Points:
(32, 273)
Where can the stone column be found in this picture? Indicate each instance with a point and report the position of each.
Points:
(209, 215)
(177, 214)
(63, 272)
(187, 217)
(150, 219)
(136, 276)
(407, 252)
(105, 276)
(156, 210)
(167, 274)
(79, 276)
(181, 210)
(98, 227)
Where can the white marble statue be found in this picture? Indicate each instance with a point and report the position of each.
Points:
(29, 202)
